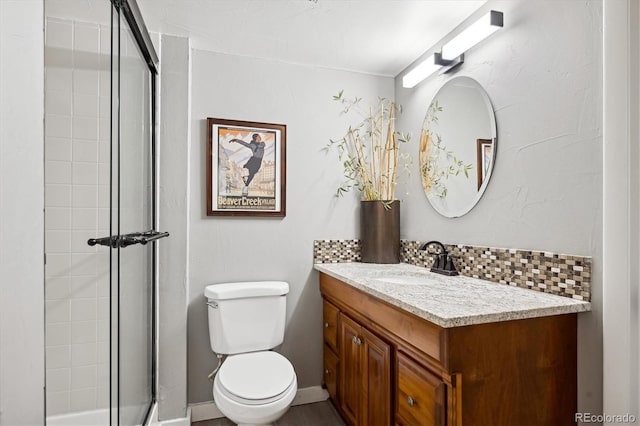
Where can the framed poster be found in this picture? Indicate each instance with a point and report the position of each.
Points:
(246, 168)
(484, 148)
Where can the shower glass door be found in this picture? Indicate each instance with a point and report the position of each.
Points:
(132, 220)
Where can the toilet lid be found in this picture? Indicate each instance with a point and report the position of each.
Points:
(256, 376)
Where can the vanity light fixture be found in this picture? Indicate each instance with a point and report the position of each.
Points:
(452, 53)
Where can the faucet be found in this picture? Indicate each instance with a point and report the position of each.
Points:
(442, 261)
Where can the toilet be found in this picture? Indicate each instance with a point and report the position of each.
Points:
(254, 385)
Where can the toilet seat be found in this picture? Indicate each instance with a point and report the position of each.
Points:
(256, 378)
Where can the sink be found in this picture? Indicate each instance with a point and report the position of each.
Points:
(404, 279)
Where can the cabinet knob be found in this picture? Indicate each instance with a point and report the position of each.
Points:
(326, 325)
(356, 340)
(411, 401)
(327, 372)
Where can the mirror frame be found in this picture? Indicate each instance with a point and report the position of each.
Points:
(477, 145)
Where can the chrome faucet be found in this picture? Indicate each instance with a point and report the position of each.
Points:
(442, 261)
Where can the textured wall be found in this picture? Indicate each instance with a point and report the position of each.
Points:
(546, 190)
(21, 213)
(233, 249)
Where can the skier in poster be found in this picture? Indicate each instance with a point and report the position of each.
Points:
(255, 162)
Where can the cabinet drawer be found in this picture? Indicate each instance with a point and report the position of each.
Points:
(330, 316)
(420, 394)
(330, 363)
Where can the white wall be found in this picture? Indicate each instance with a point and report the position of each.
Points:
(174, 218)
(543, 75)
(21, 213)
(232, 249)
(621, 197)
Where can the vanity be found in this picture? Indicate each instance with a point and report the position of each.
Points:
(406, 346)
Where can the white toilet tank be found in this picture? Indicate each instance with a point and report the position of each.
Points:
(246, 316)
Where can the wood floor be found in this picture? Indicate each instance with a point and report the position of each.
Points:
(317, 414)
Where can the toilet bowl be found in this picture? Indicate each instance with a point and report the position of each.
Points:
(254, 385)
(255, 388)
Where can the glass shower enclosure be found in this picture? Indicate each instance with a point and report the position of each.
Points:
(100, 218)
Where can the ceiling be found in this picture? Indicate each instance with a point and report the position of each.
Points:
(379, 37)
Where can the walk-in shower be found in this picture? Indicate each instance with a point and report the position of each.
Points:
(100, 198)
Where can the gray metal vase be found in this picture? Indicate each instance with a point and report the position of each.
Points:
(380, 231)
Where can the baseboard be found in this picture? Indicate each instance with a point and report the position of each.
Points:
(184, 421)
(208, 410)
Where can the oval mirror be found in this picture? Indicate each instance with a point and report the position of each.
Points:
(457, 146)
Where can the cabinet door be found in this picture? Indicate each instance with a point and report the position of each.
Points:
(331, 373)
(330, 325)
(420, 395)
(376, 380)
(350, 369)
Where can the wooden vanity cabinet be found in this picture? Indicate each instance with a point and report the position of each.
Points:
(393, 367)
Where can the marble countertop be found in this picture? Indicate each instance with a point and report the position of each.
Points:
(449, 301)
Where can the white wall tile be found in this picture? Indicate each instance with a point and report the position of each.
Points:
(57, 311)
(58, 334)
(86, 81)
(103, 352)
(86, 38)
(57, 403)
(84, 332)
(57, 219)
(103, 283)
(104, 218)
(84, 377)
(58, 78)
(85, 150)
(57, 287)
(57, 242)
(83, 309)
(85, 173)
(104, 133)
(57, 149)
(84, 219)
(104, 107)
(83, 287)
(103, 308)
(83, 354)
(58, 172)
(57, 102)
(58, 356)
(83, 400)
(102, 399)
(105, 40)
(85, 105)
(104, 174)
(58, 380)
(103, 330)
(104, 196)
(84, 196)
(104, 150)
(85, 128)
(57, 264)
(59, 34)
(57, 126)
(105, 83)
(57, 195)
(82, 264)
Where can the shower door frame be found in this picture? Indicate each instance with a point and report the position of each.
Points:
(130, 11)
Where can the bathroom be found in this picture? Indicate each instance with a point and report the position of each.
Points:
(563, 103)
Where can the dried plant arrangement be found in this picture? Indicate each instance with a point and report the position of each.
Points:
(433, 154)
(370, 150)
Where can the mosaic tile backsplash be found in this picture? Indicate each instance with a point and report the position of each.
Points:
(559, 274)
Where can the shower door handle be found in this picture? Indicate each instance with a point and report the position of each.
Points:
(140, 238)
(110, 241)
(127, 240)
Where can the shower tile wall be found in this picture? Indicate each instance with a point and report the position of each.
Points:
(77, 105)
